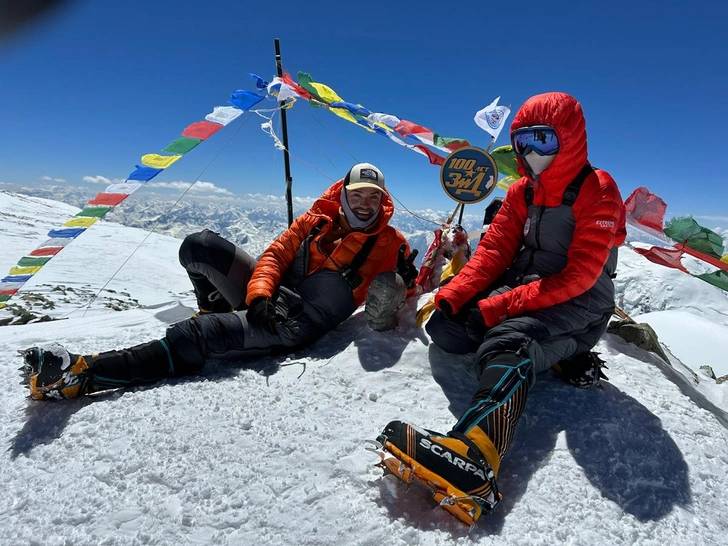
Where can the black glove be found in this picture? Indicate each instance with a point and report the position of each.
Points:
(262, 313)
(475, 325)
(406, 267)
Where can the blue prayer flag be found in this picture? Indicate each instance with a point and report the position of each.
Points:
(244, 100)
(16, 278)
(67, 232)
(144, 173)
(260, 83)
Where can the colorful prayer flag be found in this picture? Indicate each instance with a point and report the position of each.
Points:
(157, 161)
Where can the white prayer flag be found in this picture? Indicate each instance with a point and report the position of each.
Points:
(492, 118)
(223, 114)
(387, 119)
(125, 188)
(284, 91)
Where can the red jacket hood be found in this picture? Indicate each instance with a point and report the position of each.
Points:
(564, 114)
(330, 202)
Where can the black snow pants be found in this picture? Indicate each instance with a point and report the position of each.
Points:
(509, 355)
(215, 264)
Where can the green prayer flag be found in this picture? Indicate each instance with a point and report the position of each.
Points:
(33, 261)
(506, 160)
(182, 145)
(686, 230)
(718, 278)
(304, 80)
(94, 212)
(445, 142)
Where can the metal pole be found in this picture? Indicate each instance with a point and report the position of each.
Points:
(460, 219)
(284, 126)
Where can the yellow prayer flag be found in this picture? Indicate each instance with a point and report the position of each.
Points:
(326, 93)
(505, 183)
(157, 161)
(451, 269)
(344, 113)
(80, 222)
(24, 270)
(424, 312)
(457, 262)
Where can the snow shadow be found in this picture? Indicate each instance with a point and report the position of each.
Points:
(171, 314)
(619, 444)
(376, 350)
(45, 421)
(413, 503)
(456, 374)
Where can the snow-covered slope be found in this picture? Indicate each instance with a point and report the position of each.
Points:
(105, 268)
(251, 221)
(273, 452)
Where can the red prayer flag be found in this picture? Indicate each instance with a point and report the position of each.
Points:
(300, 90)
(46, 251)
(432, 156)
(201, 129)
(111, 199)
(406, 128)
(669, 257)
(426, 269)
(705, 257)
(8, 292)
(646, 208)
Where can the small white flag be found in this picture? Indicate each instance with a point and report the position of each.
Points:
(492, 118)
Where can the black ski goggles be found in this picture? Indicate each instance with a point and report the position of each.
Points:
(541, 139)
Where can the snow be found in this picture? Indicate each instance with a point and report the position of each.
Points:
(274, 452)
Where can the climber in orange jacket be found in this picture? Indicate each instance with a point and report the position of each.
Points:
(309, 280)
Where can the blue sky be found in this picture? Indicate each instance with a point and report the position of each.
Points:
(89, 89)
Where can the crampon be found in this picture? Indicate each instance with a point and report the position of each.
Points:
(466, 508)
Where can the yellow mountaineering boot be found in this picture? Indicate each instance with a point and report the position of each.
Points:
(459, 470)
(52, 372)
(460, 467)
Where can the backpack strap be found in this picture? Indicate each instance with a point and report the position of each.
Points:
(349, 271)
(572, 190)
(308, 240)
(528, 194)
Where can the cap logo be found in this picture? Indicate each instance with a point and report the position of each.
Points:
(370, 174)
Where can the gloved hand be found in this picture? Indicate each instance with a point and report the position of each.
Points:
(475, 325)
(262, 313)
(583, 370)
(406, 267)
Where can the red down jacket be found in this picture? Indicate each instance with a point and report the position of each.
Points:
(599, 217)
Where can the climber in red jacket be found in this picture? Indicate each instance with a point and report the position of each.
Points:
(538, 291)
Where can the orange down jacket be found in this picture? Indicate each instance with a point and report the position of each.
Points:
(599, 223)
(280, 254)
